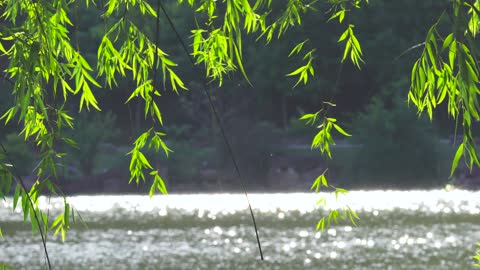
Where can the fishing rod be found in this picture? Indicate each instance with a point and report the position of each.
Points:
(217, 118)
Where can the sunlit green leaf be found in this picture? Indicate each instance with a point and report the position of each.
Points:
(4, 266)
(321, 224)
(297, 48)
(341, 131)
(458, 154)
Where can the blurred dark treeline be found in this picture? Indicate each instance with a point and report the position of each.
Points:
(391, 145)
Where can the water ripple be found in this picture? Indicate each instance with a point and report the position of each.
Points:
(397, 230)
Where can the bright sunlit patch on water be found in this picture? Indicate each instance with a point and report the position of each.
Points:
(403, 240)
(201, 213)
(450, 239)
(214, 205)
(370, 243)
(421, 241)
(232, 233)
(303, 234)
(217, 230)
(332, 232)
(293, 244)
(163, 212)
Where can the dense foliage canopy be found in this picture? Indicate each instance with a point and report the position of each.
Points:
(44, 62)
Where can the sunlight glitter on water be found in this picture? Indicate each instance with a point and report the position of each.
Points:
(280, 204)
(435, 201)
(397, 230)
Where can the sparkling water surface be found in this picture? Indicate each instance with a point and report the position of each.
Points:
(397, 230)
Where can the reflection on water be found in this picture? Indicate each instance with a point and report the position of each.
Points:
(397, 230)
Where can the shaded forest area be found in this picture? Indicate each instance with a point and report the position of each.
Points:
(391, 146)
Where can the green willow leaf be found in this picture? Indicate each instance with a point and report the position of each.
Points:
(458, 154)
(297, 71)
(297, 48)
(448, 41)
(341, 130)
(4, 266)
(16, 195)
(322, 201)
(477, 256)
(321, 225)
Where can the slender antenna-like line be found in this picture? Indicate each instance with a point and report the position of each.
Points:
(157, 37)
(19, 179)
(22, 184)
(408, 50)
(336, 86)
(155, 68)
(222, 129)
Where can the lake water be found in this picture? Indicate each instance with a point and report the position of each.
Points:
(398, 230)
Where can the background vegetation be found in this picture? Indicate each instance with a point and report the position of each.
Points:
(389, 146)
(47, 55)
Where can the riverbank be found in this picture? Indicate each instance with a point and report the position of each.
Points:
(288, 167)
